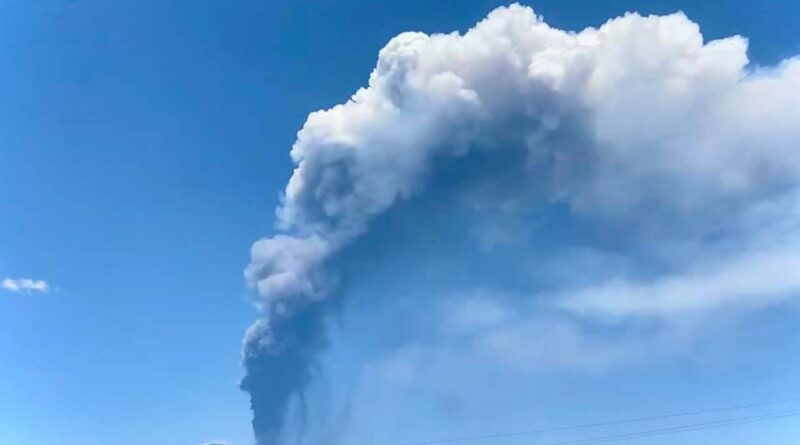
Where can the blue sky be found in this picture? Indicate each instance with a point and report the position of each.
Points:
(143, 148)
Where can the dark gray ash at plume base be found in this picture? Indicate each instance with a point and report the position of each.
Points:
(591, 117)
(280, 358)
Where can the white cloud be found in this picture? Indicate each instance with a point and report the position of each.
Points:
(25, 285)
(523, 336)
(751, 280)
(758, 269)
(474, 312)
(401, 366)
(547, 343)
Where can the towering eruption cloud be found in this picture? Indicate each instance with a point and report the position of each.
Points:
(639, 113)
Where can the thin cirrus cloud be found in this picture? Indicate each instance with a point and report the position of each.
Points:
(25, 285)
(758, 269)
(758, 279)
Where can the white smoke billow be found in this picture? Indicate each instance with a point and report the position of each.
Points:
(639, 126)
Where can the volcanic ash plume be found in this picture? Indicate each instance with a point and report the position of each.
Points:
(638, 113)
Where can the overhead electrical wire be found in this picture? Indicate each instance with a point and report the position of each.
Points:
(682, 428)
(625, 421)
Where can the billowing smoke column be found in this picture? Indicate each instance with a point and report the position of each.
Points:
(639, 113)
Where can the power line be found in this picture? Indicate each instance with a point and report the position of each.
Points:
(601, 424)
(683, 428)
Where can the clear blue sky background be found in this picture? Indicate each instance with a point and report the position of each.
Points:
(142, 148)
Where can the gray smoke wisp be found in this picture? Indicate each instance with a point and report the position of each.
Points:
(639, 113)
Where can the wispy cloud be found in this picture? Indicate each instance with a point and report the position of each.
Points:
(25, 285)
(755, 280)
